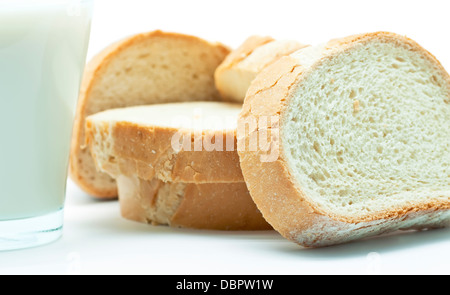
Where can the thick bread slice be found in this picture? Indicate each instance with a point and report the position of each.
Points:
(150, 68)
(361, 127)
(212, 206)
(234, 75)
(150, 142)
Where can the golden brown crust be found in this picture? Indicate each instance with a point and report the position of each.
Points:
(138, 198)
(235, 57)
(243, 51)
(212, 206)
(235, 74)
(147, 152)
(82, 168)
(226, 206)
(272, 185)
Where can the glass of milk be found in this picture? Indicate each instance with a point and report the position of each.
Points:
(43, 46)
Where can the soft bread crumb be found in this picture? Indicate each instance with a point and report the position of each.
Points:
(369, 168)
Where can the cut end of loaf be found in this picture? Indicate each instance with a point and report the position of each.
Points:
(195, 116)
(366, 131)
(156, 67)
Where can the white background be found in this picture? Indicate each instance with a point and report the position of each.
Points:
(97, 240)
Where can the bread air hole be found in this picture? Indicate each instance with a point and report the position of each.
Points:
(435, 81)
(317, 147)
(316, 177)
(343, 193)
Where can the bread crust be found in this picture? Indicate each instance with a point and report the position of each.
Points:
(240, 53)
(272, 185)
(82, 168)
(241, 66)
(147, 152)
(211, 206)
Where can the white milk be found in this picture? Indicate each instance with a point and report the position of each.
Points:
(42, 54)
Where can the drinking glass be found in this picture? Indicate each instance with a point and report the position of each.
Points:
(43, 46)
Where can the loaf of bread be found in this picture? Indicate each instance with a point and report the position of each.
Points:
(360, 127)
(175, 164)
(234, 75)
(150, 68)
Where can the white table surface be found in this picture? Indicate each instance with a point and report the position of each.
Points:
(97, 240)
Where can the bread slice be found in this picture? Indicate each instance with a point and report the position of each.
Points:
(211, 206)
(160, 180)
(234, 75)
(361, 129)
(192, 142)
(149, 68)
